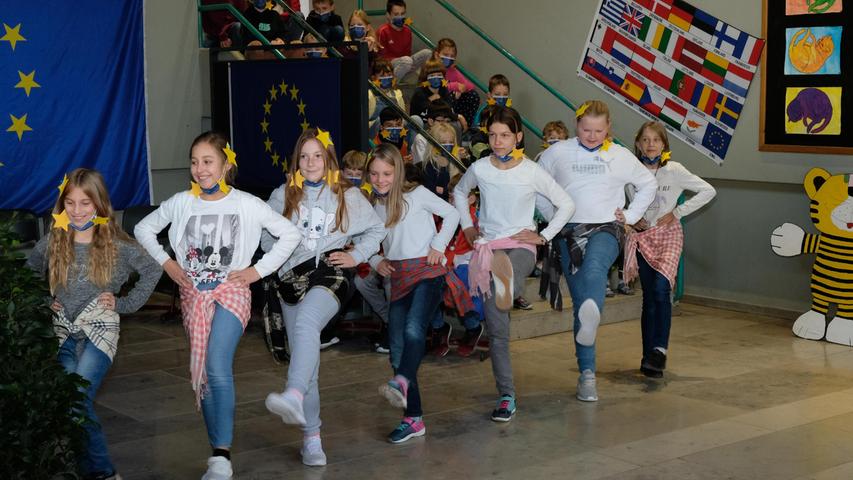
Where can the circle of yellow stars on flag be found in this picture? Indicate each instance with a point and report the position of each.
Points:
(26, 82)
(284, 92)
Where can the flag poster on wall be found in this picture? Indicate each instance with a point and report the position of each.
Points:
(673, 62)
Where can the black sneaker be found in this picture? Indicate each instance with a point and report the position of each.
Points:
(521, 303)
(654, 363)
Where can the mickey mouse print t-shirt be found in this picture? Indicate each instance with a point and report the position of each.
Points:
(209, 241)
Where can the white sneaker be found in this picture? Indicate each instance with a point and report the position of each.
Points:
(287, 406)
(586, 387)
(589, 317)
(312, 452)
(218, 468)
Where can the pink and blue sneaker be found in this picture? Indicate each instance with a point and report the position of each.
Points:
(409, 427)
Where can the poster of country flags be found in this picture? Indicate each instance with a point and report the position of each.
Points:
(671, 61)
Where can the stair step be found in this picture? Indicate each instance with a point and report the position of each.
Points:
(543, 320)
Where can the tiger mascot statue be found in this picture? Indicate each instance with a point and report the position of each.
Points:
(832, 273)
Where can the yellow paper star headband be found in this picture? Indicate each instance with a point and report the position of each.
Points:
(324, 137)
(230, 155)
(581, 110)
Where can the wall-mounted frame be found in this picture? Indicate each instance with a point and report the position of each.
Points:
(806, 102)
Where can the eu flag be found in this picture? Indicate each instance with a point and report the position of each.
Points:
(272, 103)
(72, 95)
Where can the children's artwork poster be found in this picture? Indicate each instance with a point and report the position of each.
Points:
(810, 7)
(813, 51)
(806, 105)
(676, 63)
(813, 110)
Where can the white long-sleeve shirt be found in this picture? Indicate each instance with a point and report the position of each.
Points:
(673, 179)
(415, 233)
(596, 181)
(244, 216)
(315, 220)
(508, 199)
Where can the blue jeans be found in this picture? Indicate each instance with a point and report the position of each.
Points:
(82, 357)
(217, 406)
(408, 318)
(657, 308)
(589, 282)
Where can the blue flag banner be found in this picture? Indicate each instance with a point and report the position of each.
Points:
(72, 94)
(272, 103)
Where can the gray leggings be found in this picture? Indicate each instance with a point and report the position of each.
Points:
(304, 322)
(497, 321)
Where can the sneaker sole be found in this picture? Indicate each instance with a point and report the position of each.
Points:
(409, 437)
(316, 463)
(589, 317)
(284, 410)
(502, 273)
(586, 399)
(504, 420)
(394, 396)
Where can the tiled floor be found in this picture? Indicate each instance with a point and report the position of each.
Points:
(742, 399)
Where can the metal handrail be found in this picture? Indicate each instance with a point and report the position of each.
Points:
(503, 51)
(239, 16)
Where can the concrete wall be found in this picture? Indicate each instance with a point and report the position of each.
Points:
(175, 91)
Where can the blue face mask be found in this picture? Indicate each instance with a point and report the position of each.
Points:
(504, 158)
(355, 181)
(552, 141)
(386, 82)
(83, 228)
(357, 31)
(447, 61)
(435, 82)
(312, 184)
(324, 17)
(314, 53)
(398, 21)
(447, 146)
(500, 99)
(211, 190)
(394, 134)
(260, 4)
(650, 161)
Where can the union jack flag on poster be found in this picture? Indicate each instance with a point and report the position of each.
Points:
(673, 62)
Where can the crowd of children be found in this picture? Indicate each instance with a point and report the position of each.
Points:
(403, 225)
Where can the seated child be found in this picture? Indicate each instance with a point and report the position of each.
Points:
(393, 132)
(382, 75)
(395, 40)
(324, 19)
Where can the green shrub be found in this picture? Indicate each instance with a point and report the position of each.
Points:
(41, 426)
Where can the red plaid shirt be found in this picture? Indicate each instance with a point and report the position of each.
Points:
(198, 307)
(407, 274)
(661, 247)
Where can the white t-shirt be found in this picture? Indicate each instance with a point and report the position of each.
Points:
(596, 181)
(415, 233)
(673, 179)
(508, 198)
